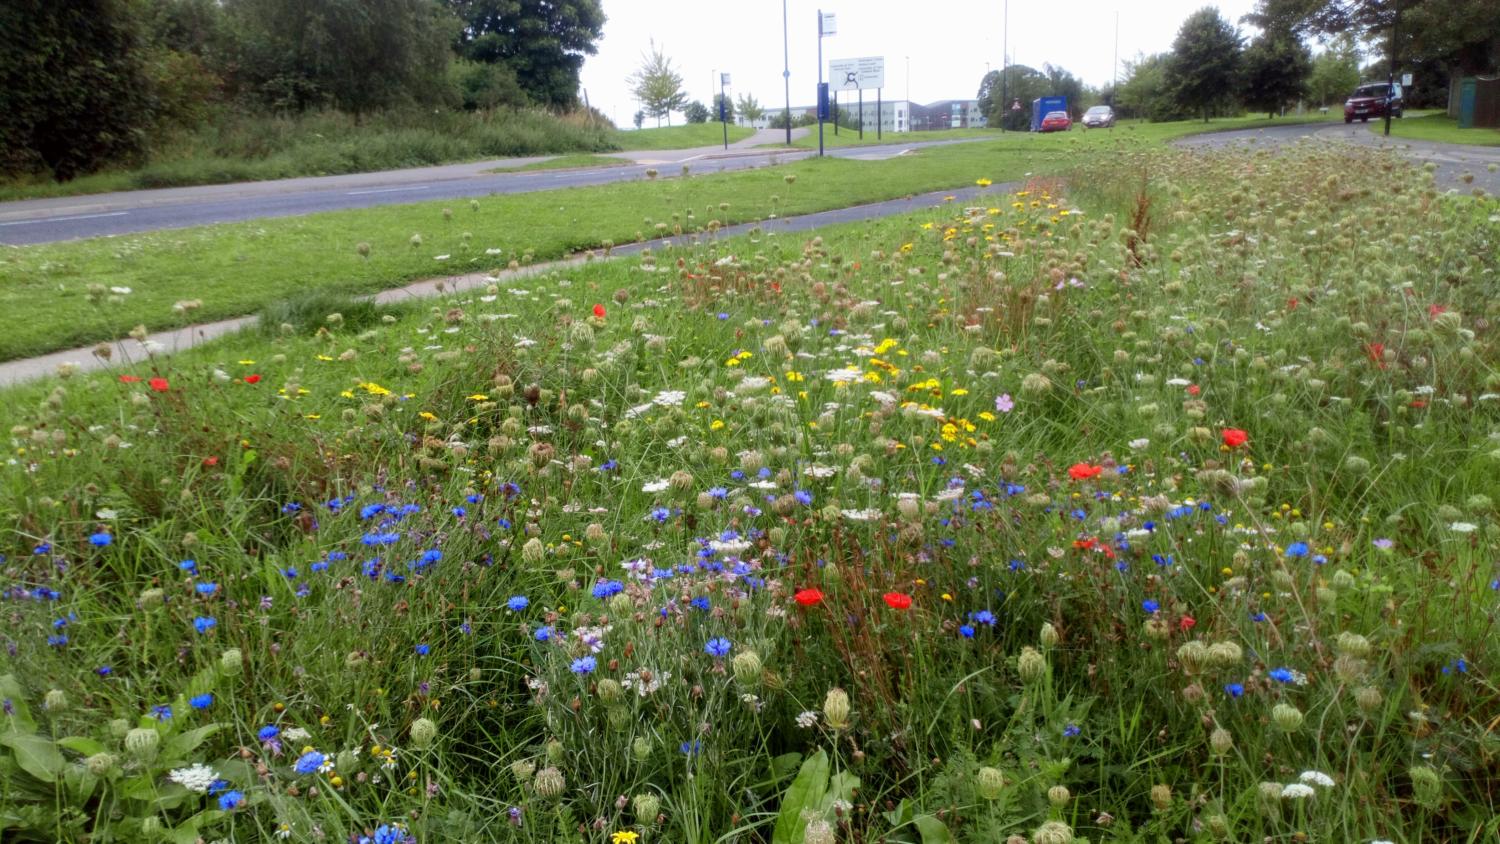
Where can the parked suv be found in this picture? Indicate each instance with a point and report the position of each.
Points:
(1373, 99)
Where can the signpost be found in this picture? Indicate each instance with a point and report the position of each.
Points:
(724, 107)
(827, 25)
(858, 75)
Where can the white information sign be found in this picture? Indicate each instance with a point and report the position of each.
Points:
(1406, 80)
(856, 74)
(830, 24)
(724, 79)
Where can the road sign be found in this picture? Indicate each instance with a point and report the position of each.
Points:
(724, 79)
(830, 24)
(1406, 80)
(857, 74)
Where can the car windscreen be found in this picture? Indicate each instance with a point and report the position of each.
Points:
(1371, 91)
(1099, 110)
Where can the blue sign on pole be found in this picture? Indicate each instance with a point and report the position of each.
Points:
(822, 100)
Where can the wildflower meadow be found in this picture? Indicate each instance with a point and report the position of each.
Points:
(1153, 503)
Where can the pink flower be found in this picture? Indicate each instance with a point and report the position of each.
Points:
(1004, 403)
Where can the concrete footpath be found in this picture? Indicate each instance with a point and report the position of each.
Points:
(127, 352)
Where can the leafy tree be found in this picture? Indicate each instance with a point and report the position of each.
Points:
(1019, 83)
(73, 91)
(639, 118)
(1144, 92)
(358, 55)
(657, 86)
(485, 86)
(1462, 34)
(1335, 72)
(695, 112)
(543, 42)
(1277, 66)
(1061, 83)
(1205, 62)
(721, 100)
(749, 108)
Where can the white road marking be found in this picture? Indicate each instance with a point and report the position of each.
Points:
(386, 190)
(66, 219)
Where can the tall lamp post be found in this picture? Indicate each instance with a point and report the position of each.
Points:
(1004, 61)
(1390, 79)
(786, 73)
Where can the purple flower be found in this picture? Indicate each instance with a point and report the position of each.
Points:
(1004, 403)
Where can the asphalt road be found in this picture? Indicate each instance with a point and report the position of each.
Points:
(69, 218)
(1454, 162)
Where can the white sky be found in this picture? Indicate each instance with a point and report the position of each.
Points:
(948, 43)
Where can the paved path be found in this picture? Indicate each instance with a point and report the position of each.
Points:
(67, 218)
(1454, 161)
(127, 351)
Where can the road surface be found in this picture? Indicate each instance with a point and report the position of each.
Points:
(70, 218)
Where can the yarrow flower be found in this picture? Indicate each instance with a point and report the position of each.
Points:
(196, 778)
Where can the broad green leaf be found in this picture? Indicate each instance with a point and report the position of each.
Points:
(81, 745)
(35, 754)
(806, 791)
(933, 830)
(183, 744)
(785, 765)
(20, 717)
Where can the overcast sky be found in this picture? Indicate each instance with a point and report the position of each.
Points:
(949, 43)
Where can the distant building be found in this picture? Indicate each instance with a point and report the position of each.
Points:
(893, 115)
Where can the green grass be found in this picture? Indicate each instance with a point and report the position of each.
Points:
(687, 136)
(1438, 127)
(238, 268)
(566, 162)
(1107, 525)
(248, 147)
(850, 137)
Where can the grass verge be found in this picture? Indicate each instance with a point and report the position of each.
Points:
(1439, 128)
(566, 162)
(689, 136)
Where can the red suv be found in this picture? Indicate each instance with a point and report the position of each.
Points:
(1373, 100)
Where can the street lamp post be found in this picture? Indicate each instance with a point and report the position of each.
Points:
(1390, 79)
(786, 72)
(1004, 62)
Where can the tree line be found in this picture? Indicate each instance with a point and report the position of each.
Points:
(90, 83)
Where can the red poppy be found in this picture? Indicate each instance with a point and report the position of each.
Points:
(809, 597)
(1291, 304)
(210, 461)
(130, 379)
(1187, 623)
(252, 379)
(1234, 437)
(1083, 471)
(1194, 389)
(599, 311)
(1376, 351)
(158, 384)
(1434, 310)
(897, 600)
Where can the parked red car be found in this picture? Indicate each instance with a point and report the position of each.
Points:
(1056, 121)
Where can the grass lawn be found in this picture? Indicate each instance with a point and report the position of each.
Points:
(688, 136)
(566, 162)
(1438, 127)
(237, 268)
(850, 137)
(1037, 521)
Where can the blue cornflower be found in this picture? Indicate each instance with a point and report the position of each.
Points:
(189, 566)
(584, 665)
(717, 647)
(289, 573)
(206, 588)
(518, 603)
(231, 800)
(803, 497)
(459, 512)
(42, 548)
(718, 493)
(429, 557)
(100, 540)
(58, 640)
(967, 631)
(1297, 549)
(104, 670)
(691, 748)
(542, 634)
(205, 623)
(309, 763)
(161, 712)
(1257, 617)
(1150, 606)
(423, 649)
(1234, 689)
(607, 589)
(660, 514)
(291, 507)
(268, 732)
(201, 702)
(700, 603)
(1281, 675)
(983, 617)
(1071, 730)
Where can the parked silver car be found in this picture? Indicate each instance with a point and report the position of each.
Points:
(1099, 117)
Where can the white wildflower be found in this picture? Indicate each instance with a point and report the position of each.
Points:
(196, 778)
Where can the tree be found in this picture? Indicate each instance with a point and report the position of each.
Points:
(749, 108)
(657, 86)
(639, 118)
(542, 41)
(358, 55)
(695, 112)
(72, 88)
(1019, 83)
(1144, 92)
(1462, 34)
(1335, 72)
(1205, 64)
(724, 103)
(1277, 66)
